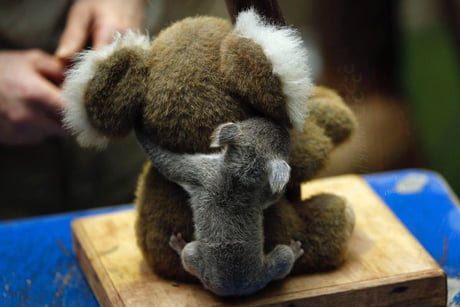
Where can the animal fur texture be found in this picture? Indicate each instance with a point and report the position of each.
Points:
(197, 74)
(228, 192)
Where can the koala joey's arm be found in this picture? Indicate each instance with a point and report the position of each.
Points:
(104, 90)
(184, 169)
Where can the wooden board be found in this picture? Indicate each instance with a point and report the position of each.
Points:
(386, 265)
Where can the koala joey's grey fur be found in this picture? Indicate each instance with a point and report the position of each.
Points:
(228, 192)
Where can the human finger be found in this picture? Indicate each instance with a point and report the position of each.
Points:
(49, 66)
(47, 125)
(76, 32)
(32, 116)
(103, 34)
(11, 136)
(28, 126)
(45, 96)
(118, 17)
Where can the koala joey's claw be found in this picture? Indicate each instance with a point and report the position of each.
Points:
(177, 242)
(296, 247)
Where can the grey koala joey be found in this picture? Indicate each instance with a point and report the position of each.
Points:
(228, 192)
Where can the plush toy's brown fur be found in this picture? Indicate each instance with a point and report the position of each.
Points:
(194, 76)
(322, 223)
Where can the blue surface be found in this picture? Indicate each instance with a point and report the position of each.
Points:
(38, 268)
(430, 211)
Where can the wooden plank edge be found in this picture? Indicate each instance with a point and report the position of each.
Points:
(93, 269)
(372, 290)
(428, 291)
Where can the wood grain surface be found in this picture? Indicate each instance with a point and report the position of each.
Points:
(386, 265)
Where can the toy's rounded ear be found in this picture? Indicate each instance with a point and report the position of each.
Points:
(103, 92)
(224, 134)
(267, 65)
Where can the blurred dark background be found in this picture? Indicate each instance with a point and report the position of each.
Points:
(396, 63)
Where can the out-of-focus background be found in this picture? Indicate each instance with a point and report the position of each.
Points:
(431, 78)
(395, 62)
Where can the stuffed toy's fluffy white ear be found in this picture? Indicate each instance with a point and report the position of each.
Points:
(78, 79)
(284, 48)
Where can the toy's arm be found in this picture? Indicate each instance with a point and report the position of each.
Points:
(184, 169)
(328, 110)
(104, 90)
(309, 152)
(330, 123)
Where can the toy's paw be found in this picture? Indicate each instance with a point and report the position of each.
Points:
(296, 247)
(330, 112)
(177, 242)
(350, 220)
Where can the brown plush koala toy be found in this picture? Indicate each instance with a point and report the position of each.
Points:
(177, 88)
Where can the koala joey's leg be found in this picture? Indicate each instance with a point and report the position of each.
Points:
(296, 247)
(177, 243)
(280, 260)
(191, 259)
(323, 223)
(188, 253)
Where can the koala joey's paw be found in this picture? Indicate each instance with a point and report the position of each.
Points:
(296, 247)
(177, 242)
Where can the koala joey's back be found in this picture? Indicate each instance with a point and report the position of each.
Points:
(187, 96)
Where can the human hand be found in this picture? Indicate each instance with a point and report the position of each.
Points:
(96, 21)
(30, 103)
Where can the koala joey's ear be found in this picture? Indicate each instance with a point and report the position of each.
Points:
(223, 134)
(278, 174)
